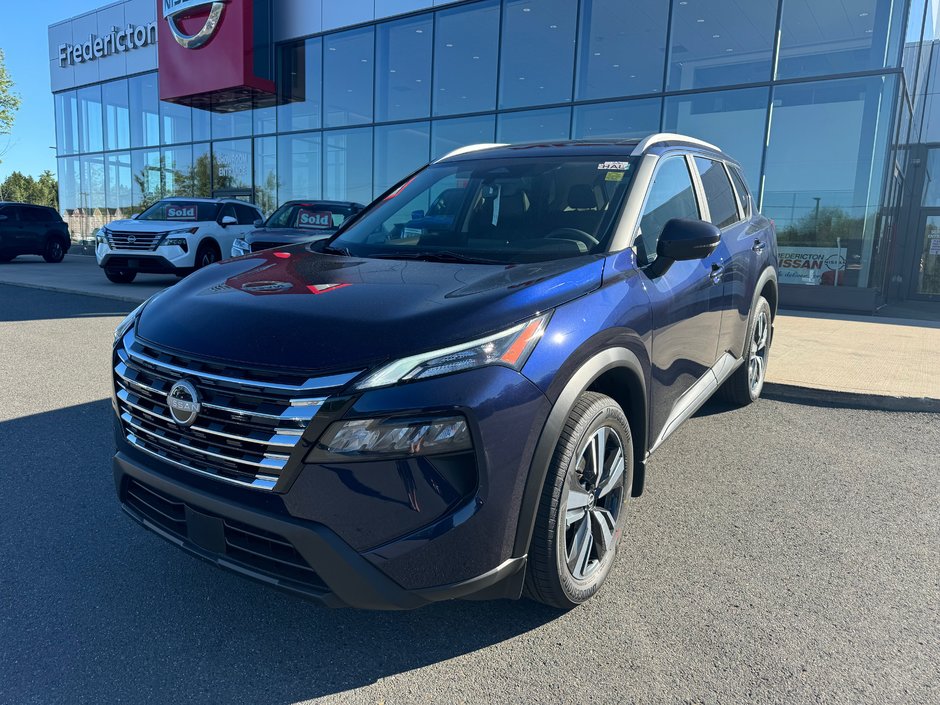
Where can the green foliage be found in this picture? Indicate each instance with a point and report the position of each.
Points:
(822, 230)
(9, 100)
(43, 191)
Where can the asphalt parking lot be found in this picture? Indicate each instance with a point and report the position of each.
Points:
(781, 554)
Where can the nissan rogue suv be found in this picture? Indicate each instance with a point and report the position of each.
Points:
(456, 394)
(295, 222)
(173, 236)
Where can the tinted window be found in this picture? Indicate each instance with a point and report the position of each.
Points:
(11, 212)
(465, 48)
(403, 69)
(671, 196)
(503, 210)
(719, 43)
(301, 67)
(34, 215)
(195, 211)
(622, 48)
(537, 52)
(739, 185)
(721, 203)
(313, 215)
(246, 215)
(347, 77)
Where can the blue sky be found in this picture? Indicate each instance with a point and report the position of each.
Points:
(25, 40)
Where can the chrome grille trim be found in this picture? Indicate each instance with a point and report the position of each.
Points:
(261, 482)
(247, 430)
(146, 242)
(312, 384)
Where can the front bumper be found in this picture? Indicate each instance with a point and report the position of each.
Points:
(336, 575)
(164, 260)
(392, 534)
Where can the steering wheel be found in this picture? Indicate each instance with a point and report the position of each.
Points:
(575, 234)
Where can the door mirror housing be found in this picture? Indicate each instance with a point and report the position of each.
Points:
(259, 222)
(228, 220)
(682, 240)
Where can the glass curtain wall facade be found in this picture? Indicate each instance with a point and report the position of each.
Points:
(803, 92)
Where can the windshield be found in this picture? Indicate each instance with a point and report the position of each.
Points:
(312, 215)
(183, 211)
(495, 210)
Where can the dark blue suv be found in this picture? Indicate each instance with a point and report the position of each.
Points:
(456, 394)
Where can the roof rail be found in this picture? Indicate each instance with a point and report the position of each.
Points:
(648, 142)
(470, 148)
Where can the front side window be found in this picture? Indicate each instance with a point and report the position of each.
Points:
(496, 210)
(183, 211)
(247, 215)
(671, 196)
(722, 206)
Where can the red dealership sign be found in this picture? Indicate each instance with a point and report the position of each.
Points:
(216, 54)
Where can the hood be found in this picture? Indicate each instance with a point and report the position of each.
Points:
(150, 226)
(316, 312)
(288, 235)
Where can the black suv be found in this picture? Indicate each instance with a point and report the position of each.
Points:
(457, 393)
(32, 230)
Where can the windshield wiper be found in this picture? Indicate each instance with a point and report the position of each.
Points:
(442, 256)
(344, 251)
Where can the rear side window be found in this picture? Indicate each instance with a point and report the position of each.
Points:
(744, 196)
(671, 196)
(34, 215)
(246, 215)
(718, 192)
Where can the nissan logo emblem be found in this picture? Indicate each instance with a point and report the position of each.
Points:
(174, 9)
(183, 401)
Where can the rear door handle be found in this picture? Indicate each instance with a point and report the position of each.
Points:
(758, 246)
(715, 274)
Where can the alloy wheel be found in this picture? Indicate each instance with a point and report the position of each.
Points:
(757, 362)
(592, 503)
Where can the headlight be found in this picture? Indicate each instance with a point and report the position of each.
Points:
(181, 231)
(178, 241)
(374, 439)
(240, 247)
(102, 236)
(126, 324)
(510, 348)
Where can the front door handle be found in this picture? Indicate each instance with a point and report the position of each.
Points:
(715, 274)
(758, 246)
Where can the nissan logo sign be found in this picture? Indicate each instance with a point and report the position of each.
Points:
(174, 9)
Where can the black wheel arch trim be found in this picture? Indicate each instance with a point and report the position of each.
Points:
(578, 383)
(767, 276)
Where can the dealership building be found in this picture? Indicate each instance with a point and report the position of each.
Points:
(828, 105)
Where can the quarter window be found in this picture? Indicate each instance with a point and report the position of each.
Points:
(671, 196)
(744, 196)
(718, 192)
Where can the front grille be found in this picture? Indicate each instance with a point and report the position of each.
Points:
(145, 242)
(248, 425)
(248, 546)
(258, 246)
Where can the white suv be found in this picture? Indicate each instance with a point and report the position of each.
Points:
(173, 236)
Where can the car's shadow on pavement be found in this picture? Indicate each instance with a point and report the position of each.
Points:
(95, 609)
(19, 303)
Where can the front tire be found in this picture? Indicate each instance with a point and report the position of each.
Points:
(206, 254)
(55, 251)
(580, 512)
(746, 384)
(120, 276)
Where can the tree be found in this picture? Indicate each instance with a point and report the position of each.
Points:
(9, 100)
(25, 189)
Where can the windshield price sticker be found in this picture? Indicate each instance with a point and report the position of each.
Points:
(613, 176)
(181, 212)
(315, 219)
(613, 166)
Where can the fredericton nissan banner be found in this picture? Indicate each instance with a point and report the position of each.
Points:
(811, 265)
(216, 54)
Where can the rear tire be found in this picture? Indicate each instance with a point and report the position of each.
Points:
(55, 251)
(120, 276)
(746, 384)
(579, 518)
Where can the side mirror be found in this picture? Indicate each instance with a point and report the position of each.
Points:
(684, 239)
(228, 220)
(134, 216)
(258, 223)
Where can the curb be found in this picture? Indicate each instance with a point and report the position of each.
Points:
(74, 292)
(851, 400)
